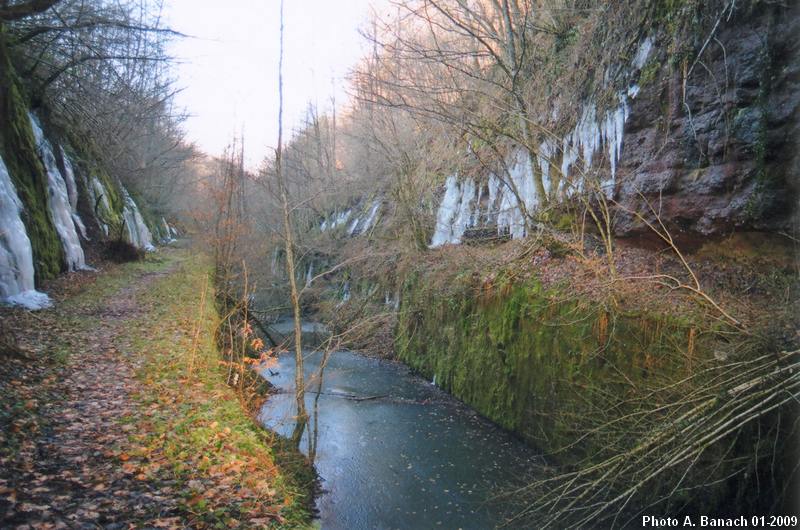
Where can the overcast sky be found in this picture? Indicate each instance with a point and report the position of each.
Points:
(228, 68)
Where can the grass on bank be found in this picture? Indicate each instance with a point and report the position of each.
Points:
(190, 436)
(192, 426)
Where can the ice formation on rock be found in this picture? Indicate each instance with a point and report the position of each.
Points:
(593, 132)
(508, 200)
(643, 53)
(371, 216)
(335, 220)
(457, 211)
(362, 223)
(309, 274)
(16, 253)
(61, 211)
(512, 196)
(358, 222)
(138, 233)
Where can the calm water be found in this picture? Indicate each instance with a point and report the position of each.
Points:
(411, 457)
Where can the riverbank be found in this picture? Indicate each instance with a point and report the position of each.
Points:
(592, 365)
(625, 383)
(115, 411)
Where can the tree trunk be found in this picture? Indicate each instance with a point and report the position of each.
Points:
(299, 378)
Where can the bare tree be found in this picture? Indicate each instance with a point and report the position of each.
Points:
(12, 11)
(288, 234)
(102, 71)
(466, 65)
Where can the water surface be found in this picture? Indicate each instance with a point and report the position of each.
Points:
(394, 451)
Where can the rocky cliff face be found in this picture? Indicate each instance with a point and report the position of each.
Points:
(712, 142)
(689, 115)
(56, 201)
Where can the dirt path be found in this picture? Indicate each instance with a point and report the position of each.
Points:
(66, 470)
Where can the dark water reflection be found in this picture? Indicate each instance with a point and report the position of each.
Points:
(393, 451)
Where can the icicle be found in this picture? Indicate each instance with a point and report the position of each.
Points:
(76, 219)
(69, 178)
(510, 217)
(589, 134)
(342, 218)
(588, 137)
(16, 254)
(546, 152)
(130, 226)
(569, 156)
(138, 233)
(643, 53)
(274, 266)
(354, 226)
(59, 202)
(309, 274)
(448, 209)
(462, 220)
(362, 224)
(72, 193)
(505, 215)
(98, 191)
(494, 192)
(335, 220)
(167, 230)
(373, 213)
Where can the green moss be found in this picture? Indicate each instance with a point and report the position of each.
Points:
(566, 38)
(113, 216)
(18, 148)
(649, 72)
(523, 355)
(565, 221)
(84, 158)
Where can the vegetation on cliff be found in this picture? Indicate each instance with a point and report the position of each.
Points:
(26, 170)
(90, 74)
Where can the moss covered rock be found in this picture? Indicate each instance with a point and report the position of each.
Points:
(18, 149)
(531, 358)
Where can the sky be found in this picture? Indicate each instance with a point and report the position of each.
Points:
(228, 66)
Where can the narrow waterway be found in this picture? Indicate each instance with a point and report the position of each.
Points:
(394, 451)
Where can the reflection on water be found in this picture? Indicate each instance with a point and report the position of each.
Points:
(392, 450)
